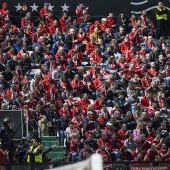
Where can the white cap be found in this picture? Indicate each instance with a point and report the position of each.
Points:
(103, 19)
(109, 124)
(90, 112)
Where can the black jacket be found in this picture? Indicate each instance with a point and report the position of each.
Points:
(25, 65)
(6, 134)
(62, 124)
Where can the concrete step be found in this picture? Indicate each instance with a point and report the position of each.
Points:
(49, 138)
(56, 154)
(50, 143)
(58, 148)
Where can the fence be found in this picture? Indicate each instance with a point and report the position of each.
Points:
(161, 165)
(27, 166)
(157, 165)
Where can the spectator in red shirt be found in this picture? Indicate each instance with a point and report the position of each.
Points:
(90, 46)
(149, 45)
(125, 155)
(81, 10)
(142, 51)
(153, 72)
(144, 19)
(27, 20)
(75, 51)
(31, 103)
(93, 26)
(48, 81)
(77, 120)
(123, 133)
(164, 152)
(89, 120)
(96, 56)
(146, 81)
(98, 81)
(134, 36)
(99, 102)
(62, 22)
(50, 18)
(147, 101)
(129, 71)
(125, 45)
(83, 39)
(110, 21)
(103, 142)
(133, 20)
(85, 102)
(53, 27)
(77, 84)
(103, 25)
(151, 153)
(130, 55)
(5, 12)
(44, 11)
(74, 146)
(116, 146)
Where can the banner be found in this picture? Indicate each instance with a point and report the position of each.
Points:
(99, 8)
(149, 168)
(94, 162)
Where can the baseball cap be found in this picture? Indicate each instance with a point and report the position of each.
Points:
(46, 4)
(96, 22)
(90, 112)
(4, 4)
(109, 124)
(103, 19)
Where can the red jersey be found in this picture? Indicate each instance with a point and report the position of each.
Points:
(43, 11)
(79, 14)
(134, 38)
(110, 22)
(151, 155)
(96, 57)
(31, 104)
(98, 104)
(124, 47)
(153, 73)
(76, 84)
(130, 55)
(146, 102)
(90, 47)
(146, 83)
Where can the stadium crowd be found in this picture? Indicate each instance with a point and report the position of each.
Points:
(102, 86)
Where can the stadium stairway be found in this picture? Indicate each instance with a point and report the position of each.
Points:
(56, 154)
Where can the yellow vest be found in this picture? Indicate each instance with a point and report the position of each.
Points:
(163, 16)
(38, 158)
